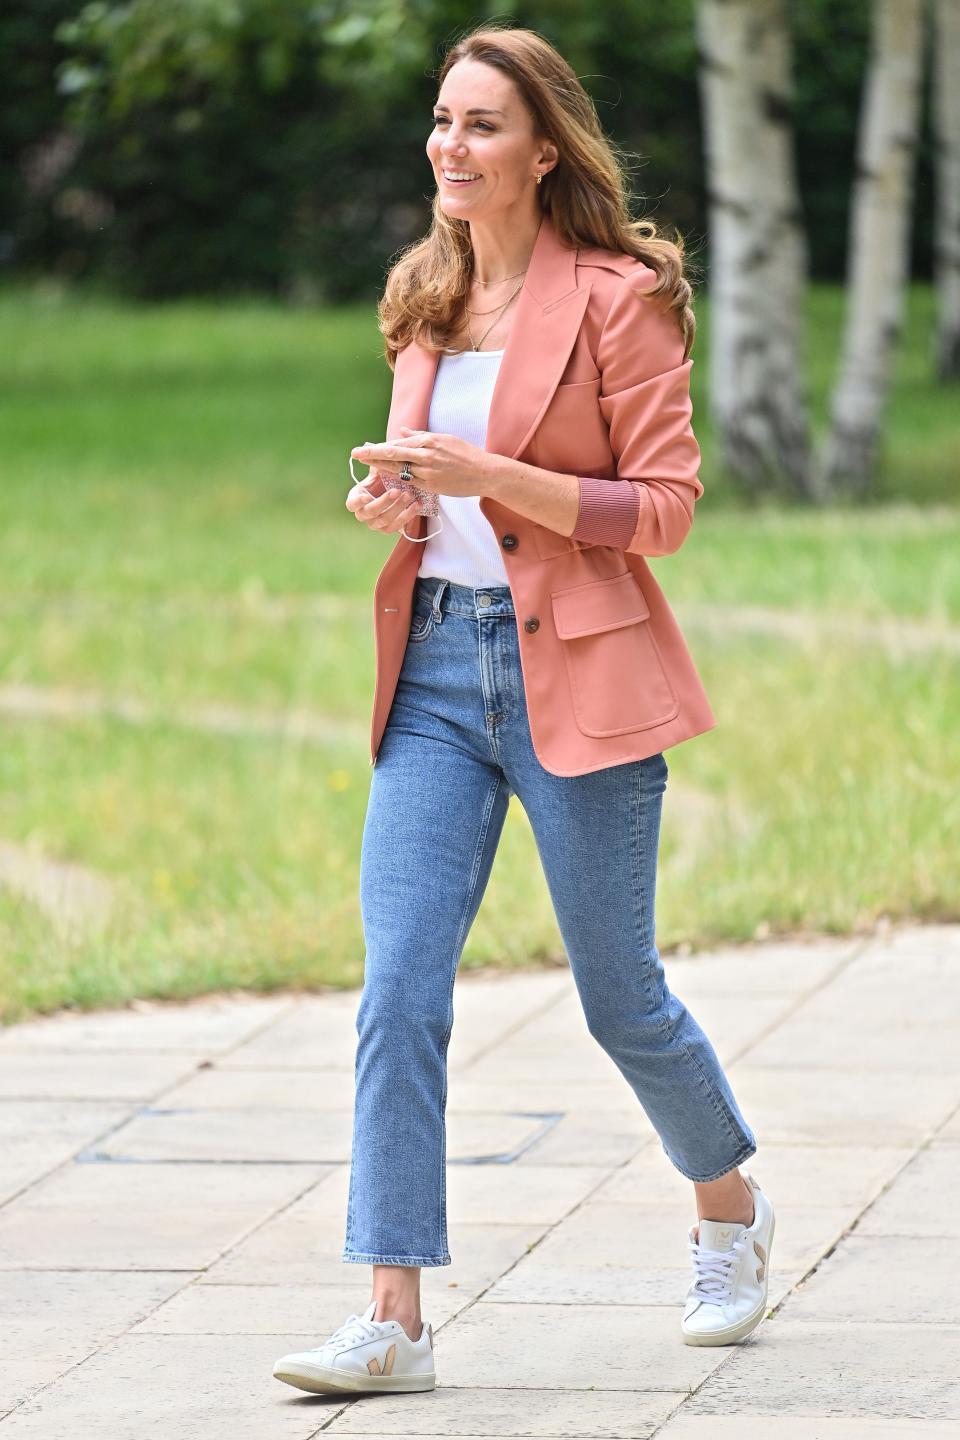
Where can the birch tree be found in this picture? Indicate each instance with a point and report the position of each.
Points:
(946, 125)
(879, 244)
(757, 249)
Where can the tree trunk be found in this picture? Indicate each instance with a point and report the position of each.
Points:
(946, 124)
(879, 244)
(757, 247)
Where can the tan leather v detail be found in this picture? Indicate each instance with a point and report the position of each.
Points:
(763, 1259)
(373, 1365)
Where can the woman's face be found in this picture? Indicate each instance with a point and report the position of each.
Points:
(497, 146)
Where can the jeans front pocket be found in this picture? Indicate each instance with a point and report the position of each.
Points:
(421, 623)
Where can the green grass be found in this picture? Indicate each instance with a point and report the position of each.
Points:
(172, 532)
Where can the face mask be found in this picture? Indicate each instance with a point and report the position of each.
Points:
(429, 502)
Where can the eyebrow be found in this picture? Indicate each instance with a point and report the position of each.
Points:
(474, 111)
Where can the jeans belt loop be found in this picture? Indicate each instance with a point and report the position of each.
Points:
(437, 615)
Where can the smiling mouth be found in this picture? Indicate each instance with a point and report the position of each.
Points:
(447, 181)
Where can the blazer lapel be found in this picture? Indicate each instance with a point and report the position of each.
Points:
(546, 321)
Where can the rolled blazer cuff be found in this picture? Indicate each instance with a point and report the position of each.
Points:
(608, 513)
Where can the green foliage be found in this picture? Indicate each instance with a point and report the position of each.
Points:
(169, 147)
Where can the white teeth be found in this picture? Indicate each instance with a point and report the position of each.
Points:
(460, 175)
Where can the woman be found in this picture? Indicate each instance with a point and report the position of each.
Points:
(540, 345)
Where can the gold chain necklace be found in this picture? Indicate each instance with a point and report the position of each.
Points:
(491, 282)
(477, 343)
(500, 281)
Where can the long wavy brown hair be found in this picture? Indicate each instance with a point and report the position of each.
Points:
(586, 196)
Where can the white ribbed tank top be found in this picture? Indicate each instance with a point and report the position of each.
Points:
(466, 550)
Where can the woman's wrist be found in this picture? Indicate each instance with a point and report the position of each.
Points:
(582, 507)
(549, 497)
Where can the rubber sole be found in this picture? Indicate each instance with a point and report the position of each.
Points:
(321, 1380)
(731, 1335)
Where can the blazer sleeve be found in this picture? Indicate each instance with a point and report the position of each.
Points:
(645, 400)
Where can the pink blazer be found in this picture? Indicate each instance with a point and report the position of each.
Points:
(592, 383)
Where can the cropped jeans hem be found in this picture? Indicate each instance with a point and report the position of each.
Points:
(355, 1259)
(744, 1154)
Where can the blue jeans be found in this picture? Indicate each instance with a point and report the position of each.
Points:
(457, 742)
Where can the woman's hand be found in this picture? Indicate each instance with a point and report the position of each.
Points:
(391, 512)
(444, 464)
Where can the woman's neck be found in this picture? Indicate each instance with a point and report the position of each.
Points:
(503, 249)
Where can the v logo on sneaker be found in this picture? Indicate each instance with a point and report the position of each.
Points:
(373, 1365)
(763, 1259)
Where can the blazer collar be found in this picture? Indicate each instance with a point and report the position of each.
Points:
(546, 319)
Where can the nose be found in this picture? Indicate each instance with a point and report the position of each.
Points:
(450, 145)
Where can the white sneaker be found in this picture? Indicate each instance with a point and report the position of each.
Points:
(363, 1356)
(731, 1269)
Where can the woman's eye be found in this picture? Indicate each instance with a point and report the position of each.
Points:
(441, 120)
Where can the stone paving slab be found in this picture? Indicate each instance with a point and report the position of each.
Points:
(315, 1033)
(232, 1087)
(843, 1107)
(509, 1412)
(519, 1065)
(18, 1382)
(898, 1371)
(142, 1217)
(577, 1139)
(811, 1175)
(558, 1093)
(195, 1027)
(490, 1005)
(262, 1134)
(51, 1074)
(297, 1312)
(38, 1135)
(792, 1427)
(871, 1280)
(57, 1318)
(951, 1130)
(921, 1202)
(534, 1282)
(305, 1039)
(536, 1194)
(254, 1135)
(867, 1027)
(521, 1062)
(297, 1251)
(730, 1024)
(786, 968)
(624, 1347)
(177, 1270)
(166, 1387)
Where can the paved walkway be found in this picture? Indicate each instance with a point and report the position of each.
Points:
(173, 1187)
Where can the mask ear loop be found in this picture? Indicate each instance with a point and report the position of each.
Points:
(417, 539)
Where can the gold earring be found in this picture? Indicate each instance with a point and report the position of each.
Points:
(539, 177)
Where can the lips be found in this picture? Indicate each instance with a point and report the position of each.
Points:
(459, 182)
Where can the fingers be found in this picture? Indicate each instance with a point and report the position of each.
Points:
(404, 517)
(390, 511)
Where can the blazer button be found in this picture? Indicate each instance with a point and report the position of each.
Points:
(510, 542)
(531, 625)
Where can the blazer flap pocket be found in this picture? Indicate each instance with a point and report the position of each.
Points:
(598, 605)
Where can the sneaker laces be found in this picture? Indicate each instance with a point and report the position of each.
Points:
(715, 1271)
(353, 1330)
